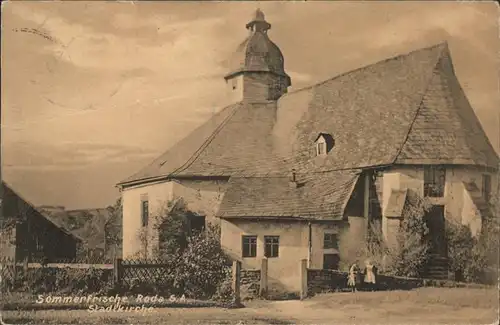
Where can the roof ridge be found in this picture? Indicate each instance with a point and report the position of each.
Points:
(36, 209)
(421, 102)
(443, 44)
(476, 119)
(205, 144)
(157, 160)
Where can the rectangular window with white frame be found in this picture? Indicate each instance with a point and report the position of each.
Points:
(434, 181)
(272, 246)
(249, 246)
(330, 241)
(321, 148)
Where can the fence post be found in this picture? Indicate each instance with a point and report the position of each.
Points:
(236, 282)
(14, 275)
(117, 273)
(303, 279)
(263, 278)
(25, 265)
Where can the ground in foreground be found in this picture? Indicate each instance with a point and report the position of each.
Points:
(422, 306)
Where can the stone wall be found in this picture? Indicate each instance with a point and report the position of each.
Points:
(385, 282)
(319, 281)
(250, 283)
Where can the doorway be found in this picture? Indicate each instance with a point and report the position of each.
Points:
(331, 261)
(435, 221)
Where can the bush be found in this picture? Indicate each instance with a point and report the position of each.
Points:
(475, 259)
(224, 291)
(408, 257)
(460, 250)
(199, 265)
(203, 264)
(45, 280)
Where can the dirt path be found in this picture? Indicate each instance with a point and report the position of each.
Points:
(425, 306)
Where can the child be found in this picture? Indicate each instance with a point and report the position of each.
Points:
(352, 278)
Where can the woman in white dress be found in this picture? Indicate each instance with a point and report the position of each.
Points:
(370, 275)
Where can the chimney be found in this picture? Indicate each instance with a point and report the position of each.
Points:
(293, 179)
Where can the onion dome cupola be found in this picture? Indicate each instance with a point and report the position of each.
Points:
(257, 70)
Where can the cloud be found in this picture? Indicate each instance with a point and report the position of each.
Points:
(69, 155)
(177, 46)
(433, 23)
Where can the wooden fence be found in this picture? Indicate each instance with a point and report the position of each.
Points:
(129, 274)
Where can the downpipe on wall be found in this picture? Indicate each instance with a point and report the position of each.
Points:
(309, 251)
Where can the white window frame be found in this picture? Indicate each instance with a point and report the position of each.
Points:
(321, 147)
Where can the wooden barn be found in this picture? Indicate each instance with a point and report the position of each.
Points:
(27, 234)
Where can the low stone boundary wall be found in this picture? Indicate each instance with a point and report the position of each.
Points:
(250, 283)
(322, 281)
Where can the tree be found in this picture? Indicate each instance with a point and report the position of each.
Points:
(171, 226)
(410, 254)
(113, 229)
(197, 264)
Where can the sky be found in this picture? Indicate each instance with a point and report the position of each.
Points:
(93, 91)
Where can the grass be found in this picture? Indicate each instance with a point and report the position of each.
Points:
(27, 302)
(420, 306)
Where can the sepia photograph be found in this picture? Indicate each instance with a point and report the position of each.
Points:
(250, 162)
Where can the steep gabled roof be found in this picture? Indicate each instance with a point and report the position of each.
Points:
(377, 114)
(446, 129)
(185, 150)
(320, 198)
(12, 209)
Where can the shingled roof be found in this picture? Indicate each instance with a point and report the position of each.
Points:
(14, 205)
(318, 198)
(407, 109)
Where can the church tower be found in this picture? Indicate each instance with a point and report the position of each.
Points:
(257, 72)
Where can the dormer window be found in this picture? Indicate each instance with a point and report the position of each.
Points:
(320, 148)
(324, 143)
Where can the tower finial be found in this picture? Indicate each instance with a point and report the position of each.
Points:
(258, 22)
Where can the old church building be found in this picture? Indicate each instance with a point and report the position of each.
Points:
(286, 173)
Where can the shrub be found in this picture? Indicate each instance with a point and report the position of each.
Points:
(204, 265)
(224, 291)
(198, 264)
(460, 249)
(44, 280)
(410, 254)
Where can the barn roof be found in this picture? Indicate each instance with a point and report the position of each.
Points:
(9, 194)
(407, 109)
(318, 198)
